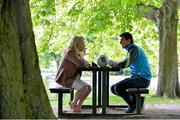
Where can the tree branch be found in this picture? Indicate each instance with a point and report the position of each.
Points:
(150, 12)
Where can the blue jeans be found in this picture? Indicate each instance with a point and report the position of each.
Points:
(135, 81)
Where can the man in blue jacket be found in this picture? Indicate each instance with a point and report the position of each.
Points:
(137, 61)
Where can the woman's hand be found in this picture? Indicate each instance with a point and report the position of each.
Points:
(86, 64)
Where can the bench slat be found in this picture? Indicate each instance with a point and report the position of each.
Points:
(60, 90)
(138, 90)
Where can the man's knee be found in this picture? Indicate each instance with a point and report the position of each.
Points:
(113, 89)
(117, 90)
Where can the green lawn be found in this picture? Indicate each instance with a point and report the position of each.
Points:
(115, 100)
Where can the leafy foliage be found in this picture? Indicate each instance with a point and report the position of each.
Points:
(100, 21)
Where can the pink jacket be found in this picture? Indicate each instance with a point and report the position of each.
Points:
(69, 68)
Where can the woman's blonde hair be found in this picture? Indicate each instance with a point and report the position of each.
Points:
(73, 42)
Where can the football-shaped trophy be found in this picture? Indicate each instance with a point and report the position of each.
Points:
(102, 61)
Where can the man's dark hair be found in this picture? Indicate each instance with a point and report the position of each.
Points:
(127, 36)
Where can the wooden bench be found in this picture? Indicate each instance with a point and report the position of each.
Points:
(138, 92)
(60, 91)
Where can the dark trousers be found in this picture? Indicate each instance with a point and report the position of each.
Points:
(132, 82)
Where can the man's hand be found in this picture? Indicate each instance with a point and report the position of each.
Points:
(111, 62)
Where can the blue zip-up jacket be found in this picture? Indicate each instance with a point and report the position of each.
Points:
(137, 61)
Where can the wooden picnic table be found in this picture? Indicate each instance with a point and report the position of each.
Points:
(103, 86)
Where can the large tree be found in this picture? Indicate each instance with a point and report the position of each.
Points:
(167, 22)
(101, 20)
(166, 19)
(22, 93)
(109, 18)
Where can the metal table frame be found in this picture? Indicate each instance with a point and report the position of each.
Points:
(103, 86)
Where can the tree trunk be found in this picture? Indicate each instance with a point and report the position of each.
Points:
(57, 58)
(168, 83)
(166, 19)
(21, 87)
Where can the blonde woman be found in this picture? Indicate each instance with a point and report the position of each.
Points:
(68, 74)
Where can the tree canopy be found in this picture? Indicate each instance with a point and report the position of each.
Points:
(100, 22)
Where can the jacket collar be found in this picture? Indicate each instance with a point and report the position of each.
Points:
(128, 46)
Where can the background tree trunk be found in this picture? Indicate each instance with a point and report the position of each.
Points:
(21, 87)
(57, 58)
(168, 82)
(166, 19)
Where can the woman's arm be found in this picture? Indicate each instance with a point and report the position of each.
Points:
(74, 58)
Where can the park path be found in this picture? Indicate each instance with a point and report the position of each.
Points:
(163, 111)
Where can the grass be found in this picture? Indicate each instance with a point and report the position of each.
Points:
(115, 100)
